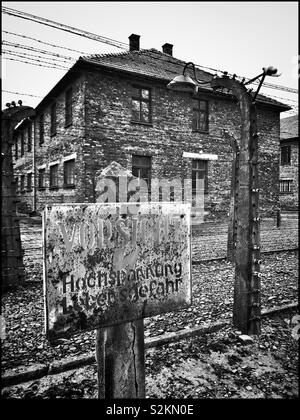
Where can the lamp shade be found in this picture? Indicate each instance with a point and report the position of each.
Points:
(182, 84)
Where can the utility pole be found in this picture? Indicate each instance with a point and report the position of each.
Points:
(232, 223)
(247, 302)
(11, 252)
(246, 310)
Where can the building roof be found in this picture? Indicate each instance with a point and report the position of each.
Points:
(289, 127)
(158, 65)
(145, 63)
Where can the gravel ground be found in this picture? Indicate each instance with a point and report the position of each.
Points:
(213, 365)
(25, 343)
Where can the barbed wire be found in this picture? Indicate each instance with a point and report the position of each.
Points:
(63, 27)
(43, 42)
(35, 57)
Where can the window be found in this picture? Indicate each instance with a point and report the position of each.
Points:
(68, 107)
(42, 178)
(16, 148)
(200, 115)
(54, 176)
(285, 186)
(199, 171)
(22, 183)
(17, 184)
(285, 155)
(22, 143)
(141, 105)
(53, 120)
(29, 138)
(41, 125)
(69, 173)
(141, 168)
(29, 181)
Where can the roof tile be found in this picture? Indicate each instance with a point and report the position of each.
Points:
(156, 64)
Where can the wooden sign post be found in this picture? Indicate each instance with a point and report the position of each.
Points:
(110, 265)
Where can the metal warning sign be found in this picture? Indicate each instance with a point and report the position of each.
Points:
(104, 265)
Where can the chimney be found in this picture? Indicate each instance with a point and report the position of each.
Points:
(168, 49)
(134, 42)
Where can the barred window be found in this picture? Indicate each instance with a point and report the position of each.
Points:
(69, 173)
(53, 120)
(200, 115)
(41, 181)
(199, 171)
(285, 186)
(41, 126)
(54, 176)
(141, 105)
(29, 181)
(68, 107)
(285, 155)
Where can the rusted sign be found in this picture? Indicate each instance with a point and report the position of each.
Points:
(104, 266)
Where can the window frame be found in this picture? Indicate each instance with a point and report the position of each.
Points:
(16, 180)
(22, 183)
(68, 107)
(289, 183)
(200, 112)
(16, 148)
(140, 167)
(22, 142)
(141, 100)
(285, 158)
(29, 184)
(29, 138)
(66, 183)
(53, 186)
(53, 121)
(198, 171)
(41, 129)
(41, 186)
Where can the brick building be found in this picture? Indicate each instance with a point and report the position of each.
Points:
(289, 163)
(116, 107)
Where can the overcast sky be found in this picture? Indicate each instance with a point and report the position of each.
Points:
(240, 37)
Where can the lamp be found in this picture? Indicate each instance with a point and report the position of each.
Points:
(267, 71)
(183, 83)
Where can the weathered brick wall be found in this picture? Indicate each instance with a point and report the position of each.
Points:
(291, 171)
(22, 166)
(112, 136)
(66, 142)
(102, 132)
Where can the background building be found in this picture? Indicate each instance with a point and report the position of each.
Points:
(289, 163)
(117, 107)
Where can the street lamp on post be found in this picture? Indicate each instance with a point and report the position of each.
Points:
(246, 308)
(183, 83)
